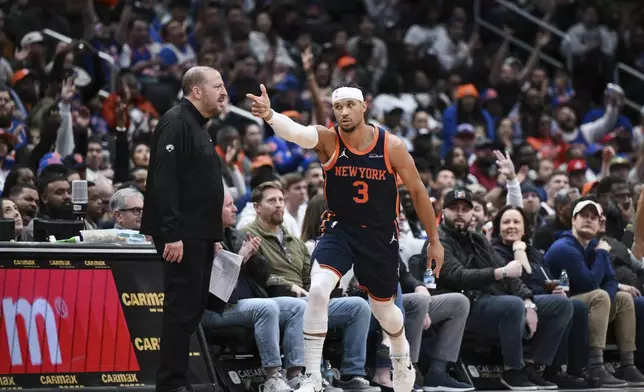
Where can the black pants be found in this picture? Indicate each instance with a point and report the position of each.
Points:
(186, 296)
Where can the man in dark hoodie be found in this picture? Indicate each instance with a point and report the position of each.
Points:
(249, 306)
(588, 265)
(502, 307)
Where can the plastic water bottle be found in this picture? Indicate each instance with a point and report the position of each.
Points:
(564, 281)
(429, 279)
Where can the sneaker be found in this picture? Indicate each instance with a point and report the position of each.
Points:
(312, 382)
(358, 384)
(404, 373)
(516, 380)
(276, 383)
(535, 377)
(566, 381)
(328, 387)
(606, 380)
(593, 381)
(417, 388)
(443, 382)
(631, 375)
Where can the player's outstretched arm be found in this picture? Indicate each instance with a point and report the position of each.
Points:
(638, 246)
(403, 164)
(307, 137)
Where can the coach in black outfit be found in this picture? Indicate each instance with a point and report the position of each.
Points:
(182, 213)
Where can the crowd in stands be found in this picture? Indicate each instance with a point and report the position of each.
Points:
(533, 170)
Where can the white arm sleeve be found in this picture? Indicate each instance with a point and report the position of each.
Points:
(288, 129)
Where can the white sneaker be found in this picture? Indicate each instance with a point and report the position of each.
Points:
(311, 383)
(276, 383)
(404, 373)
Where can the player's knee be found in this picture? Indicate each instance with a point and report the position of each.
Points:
(387, 314)
(318, 298)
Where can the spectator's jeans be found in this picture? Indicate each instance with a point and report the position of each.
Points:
(602, 311)
(266, 316)
(639, 322)
(503, 317)
(573, 349)
(449, 310)
(352, 315)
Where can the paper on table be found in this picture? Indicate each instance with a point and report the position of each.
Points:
(225, 271)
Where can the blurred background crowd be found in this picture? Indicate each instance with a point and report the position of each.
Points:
(84, 83)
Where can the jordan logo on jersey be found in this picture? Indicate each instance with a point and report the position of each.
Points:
(343, 154)
(393, 238)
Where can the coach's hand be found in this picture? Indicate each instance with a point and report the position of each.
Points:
(261, 106)
(173, 252)
(435, 253)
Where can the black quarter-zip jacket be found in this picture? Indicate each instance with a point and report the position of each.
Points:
(184, 194)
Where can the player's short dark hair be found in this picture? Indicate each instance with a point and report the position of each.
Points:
(349, 84)
(290, 179)
(258, 193)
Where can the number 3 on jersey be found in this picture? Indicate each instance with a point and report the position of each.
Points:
(362, 190)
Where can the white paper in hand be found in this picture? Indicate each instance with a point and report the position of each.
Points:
(225, 271)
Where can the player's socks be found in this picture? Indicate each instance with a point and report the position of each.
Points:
(399, 345)
(315, 328)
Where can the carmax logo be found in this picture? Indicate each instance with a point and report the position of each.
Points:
(62, 321)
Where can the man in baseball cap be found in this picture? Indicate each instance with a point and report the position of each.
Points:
(456, 195)
(587, 262)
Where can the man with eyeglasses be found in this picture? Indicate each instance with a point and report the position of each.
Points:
(127, 206)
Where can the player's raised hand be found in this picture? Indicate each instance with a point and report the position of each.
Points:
(261, 106)
(435, 253)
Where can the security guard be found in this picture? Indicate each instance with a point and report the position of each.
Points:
(182, 213)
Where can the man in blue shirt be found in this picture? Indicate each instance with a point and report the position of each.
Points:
(588, 265)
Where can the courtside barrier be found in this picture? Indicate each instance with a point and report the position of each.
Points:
(75, 316)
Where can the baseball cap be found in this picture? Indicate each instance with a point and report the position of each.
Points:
(31, 38)
(48, 159)
(619, 161)
(576, 165)
(75, 161)
(458, 194)
(587, 203)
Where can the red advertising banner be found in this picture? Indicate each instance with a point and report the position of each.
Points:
(80, 322)
(63, 321)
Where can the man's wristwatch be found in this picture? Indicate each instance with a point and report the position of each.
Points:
(503, 274)
(530, 305)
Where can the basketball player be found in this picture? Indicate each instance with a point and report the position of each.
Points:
(361, 163)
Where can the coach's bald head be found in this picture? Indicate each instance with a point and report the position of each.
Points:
(204, 87)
